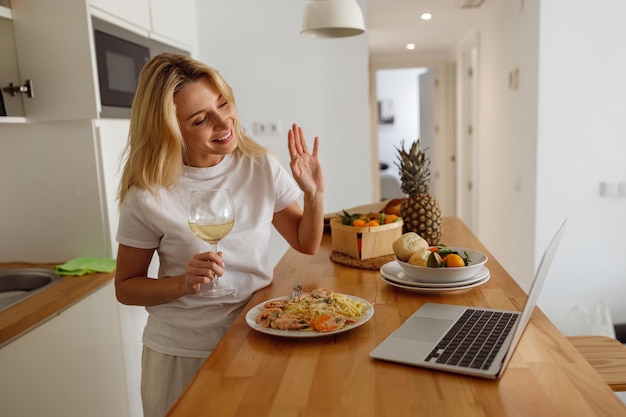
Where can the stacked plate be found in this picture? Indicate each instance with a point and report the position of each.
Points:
(392, 274)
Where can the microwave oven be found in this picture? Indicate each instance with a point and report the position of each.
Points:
(120, 55)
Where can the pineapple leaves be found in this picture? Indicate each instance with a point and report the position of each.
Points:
(414, 167)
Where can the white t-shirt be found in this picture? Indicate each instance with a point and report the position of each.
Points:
(191, 326)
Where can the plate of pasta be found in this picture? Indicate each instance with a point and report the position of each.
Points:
(320, 312)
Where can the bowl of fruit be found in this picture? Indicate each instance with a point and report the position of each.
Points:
(436, 264)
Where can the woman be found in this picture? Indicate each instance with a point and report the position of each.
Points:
(185, 135)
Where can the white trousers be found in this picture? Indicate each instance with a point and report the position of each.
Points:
(163, 379)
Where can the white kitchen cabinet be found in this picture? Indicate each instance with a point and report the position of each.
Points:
(53, 44)
(9, 72)
(136, 12)
(172, 23)
(111, 136)
(176, 23)
(70, 366)
(110, 141)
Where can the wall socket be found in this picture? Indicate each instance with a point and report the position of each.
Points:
(266, 128)
(612, 189)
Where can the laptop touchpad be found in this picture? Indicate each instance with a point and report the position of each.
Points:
(423, 329)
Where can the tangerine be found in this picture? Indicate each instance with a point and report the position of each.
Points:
(454, 260)
(372, 223)
(389, 218)
(359, 223)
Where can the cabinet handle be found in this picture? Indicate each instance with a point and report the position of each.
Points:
(26, 89)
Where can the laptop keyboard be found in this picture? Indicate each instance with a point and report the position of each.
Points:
(474, 340)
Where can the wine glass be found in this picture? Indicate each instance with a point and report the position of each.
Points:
(211, 217)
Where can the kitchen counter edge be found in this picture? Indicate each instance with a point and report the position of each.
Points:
(19, 319)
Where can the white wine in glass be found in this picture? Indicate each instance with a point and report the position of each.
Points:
(211, 218)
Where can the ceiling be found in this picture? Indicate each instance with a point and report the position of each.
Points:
(391, 24)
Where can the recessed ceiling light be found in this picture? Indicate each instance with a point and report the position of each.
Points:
(410, 46)
(426, 16)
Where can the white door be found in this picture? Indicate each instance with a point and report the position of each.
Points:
(437, 111)
(467, 136)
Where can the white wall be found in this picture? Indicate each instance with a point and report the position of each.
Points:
(544, 149)
(278, 75)
(52, 211)
(582, 97)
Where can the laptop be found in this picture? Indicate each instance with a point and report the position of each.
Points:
(461, 339)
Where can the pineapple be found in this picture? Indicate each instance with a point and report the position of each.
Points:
(420, 211)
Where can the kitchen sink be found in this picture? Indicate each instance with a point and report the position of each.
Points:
(20, 283)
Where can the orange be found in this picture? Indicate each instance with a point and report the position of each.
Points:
(390, 218)
(453, 260)
(359, 223)
(372, 223)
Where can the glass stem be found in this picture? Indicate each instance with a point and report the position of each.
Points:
(216, 284)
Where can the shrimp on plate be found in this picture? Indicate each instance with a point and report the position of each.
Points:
(276, 303)
(276, 318)
(288, 321)
(321, 293)
(265, 317)
(330, 323)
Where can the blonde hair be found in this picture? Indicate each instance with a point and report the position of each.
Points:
(155, 147)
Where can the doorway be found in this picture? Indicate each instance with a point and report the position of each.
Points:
(398, 121)
(417, 103)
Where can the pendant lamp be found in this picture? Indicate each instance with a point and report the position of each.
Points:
(332, 19)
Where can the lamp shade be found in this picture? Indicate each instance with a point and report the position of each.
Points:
(332, 19)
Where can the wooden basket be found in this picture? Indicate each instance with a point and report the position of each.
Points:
(364, 242)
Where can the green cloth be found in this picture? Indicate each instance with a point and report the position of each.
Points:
(82, 266)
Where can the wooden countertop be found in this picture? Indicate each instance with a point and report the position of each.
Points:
(255, 374)
(38, 308)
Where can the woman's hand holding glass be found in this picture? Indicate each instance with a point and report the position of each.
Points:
(202, 268)
(211, 218)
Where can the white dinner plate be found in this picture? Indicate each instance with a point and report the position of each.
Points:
(392, 271)
(254, 312)
(427, 290)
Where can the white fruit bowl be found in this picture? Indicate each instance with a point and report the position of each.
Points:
(447, 274)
